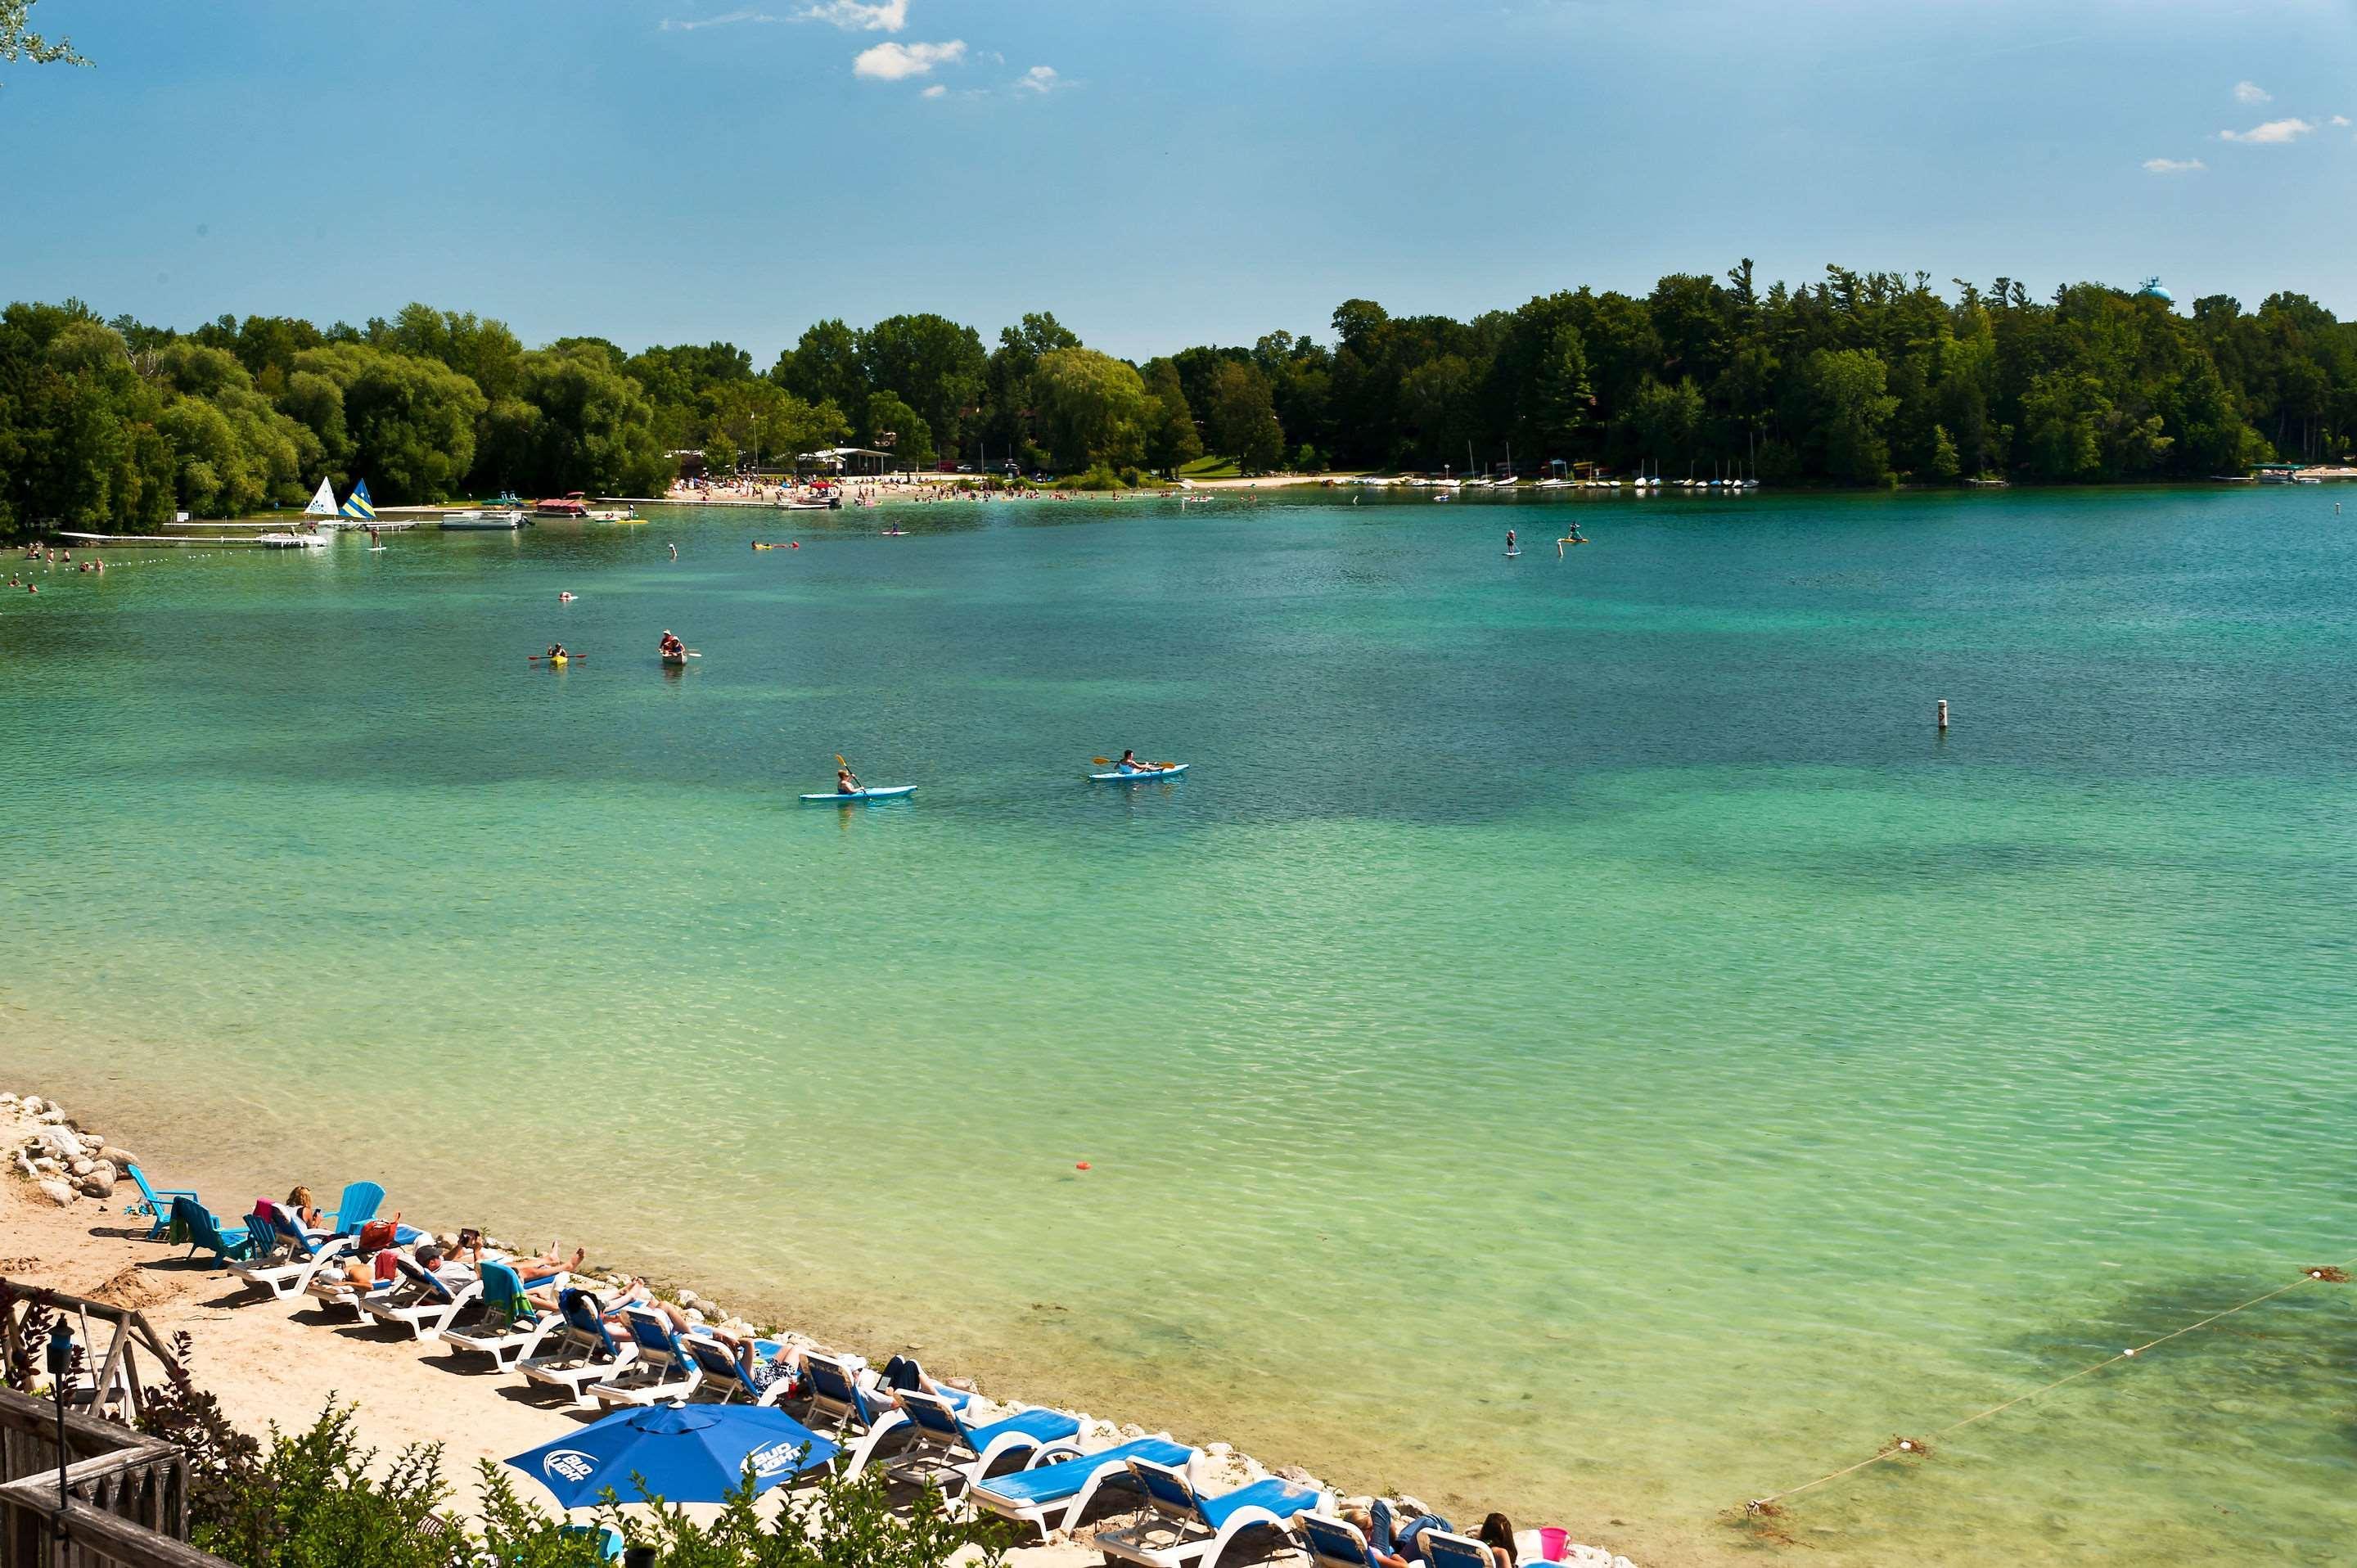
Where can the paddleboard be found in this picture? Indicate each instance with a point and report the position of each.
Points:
(1140, 777)
(837, 797)
(1511, 553)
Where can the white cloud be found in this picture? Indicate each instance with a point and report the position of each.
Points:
(726, 19)
(854, 17)
(1039, 79)
(935, 91)
(2273, 133)
(2340, 119)
(2173, 165)
(2252, 92)
(897, 62)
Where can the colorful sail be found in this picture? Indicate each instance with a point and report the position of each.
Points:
(323, 503)
(357, 506)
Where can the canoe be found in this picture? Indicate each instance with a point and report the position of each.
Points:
(678, 658)
(838, 798)
(1140, 776)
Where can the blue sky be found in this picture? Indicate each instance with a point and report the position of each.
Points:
(1158, 174)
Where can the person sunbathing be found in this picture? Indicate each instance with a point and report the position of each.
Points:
(298, 1204)
(1387, 1547)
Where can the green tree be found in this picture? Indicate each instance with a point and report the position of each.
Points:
(18, 41)
(896, 428)
(1945, 464)
(1849, 412)
(577, 423)
(934, 363)
(1563, 397)
(1663, 421)
(483, 350)
(1172, 438)
(1091, 408)
(1242, 418)
(824, 367)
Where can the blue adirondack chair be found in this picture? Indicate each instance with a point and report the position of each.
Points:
(155, 1203)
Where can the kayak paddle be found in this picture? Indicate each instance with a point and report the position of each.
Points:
(536, 658)
(1108, 762)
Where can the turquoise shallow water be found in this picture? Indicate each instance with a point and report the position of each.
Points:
(1578, 1040)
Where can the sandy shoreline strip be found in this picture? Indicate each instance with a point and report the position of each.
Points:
(63, 1212)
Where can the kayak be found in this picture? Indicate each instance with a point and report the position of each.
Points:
(1139, 776)
(838, 797)
(558, 660)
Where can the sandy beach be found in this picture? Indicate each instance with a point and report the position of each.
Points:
(280, 1365)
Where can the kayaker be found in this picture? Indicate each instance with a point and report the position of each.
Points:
(556, 651)
(846, 782)
(1129, 764)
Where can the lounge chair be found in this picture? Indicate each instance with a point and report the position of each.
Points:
(331, 1289)
(662, 1373)
(1054, 1494)
(1332, 1542)
(285, 1263)
(1444, 1549)
(858, 1420)
(725, 1378)
(1183, 1526)
(581, 1352)
(155, 1203)
(196, 1222)
(421, 1301)
(943, 1449)
(504, 1324)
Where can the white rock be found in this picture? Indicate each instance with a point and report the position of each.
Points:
(52, 1116)
(100, 1182)
(689, 1298)
(7, 1100)
(695, 1315)
(81, 1167)
(1218, 1450)
(714, 1310)
(47, 1166)
(56, 1192)
(121, 1159)
(63, 1144)
(34, 1105)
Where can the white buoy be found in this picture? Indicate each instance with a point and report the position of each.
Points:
(1943, 713)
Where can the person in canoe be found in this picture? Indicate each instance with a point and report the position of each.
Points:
(846, 782)
(671, 646)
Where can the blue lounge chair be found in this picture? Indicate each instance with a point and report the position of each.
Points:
(609, 1539)
(1444, 1550)
(857, 1421)
(1332, 1542)
(582, 1353)
(196, 1222)
(943, 1449)
(155, 1204)
(420, 1301)
(1183, 1526)
(725, 1378)
(661, 1373)
(287, 1253)
(504, 1325)
(1054, 1494)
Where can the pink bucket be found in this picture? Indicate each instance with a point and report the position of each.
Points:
(1553, 1542)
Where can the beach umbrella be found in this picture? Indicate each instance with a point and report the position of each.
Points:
(687, 1454)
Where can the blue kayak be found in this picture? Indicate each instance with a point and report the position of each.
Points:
(838, 798)
(1139, 775)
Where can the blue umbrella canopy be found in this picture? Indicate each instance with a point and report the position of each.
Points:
(687, 1454)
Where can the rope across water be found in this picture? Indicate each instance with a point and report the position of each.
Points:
(1909, 1447)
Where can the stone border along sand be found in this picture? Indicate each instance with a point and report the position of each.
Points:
(70, 1166)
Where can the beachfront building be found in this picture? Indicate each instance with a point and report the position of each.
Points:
(849, 462)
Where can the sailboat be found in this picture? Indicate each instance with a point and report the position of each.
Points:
(358, 511)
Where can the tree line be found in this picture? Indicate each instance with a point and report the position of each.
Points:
(1857, 379)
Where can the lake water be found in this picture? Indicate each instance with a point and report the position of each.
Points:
(1579, 1039)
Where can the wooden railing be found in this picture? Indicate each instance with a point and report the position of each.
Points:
(108, 1383)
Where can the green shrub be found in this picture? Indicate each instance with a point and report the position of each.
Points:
(317, 1500)
(1099, 476)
